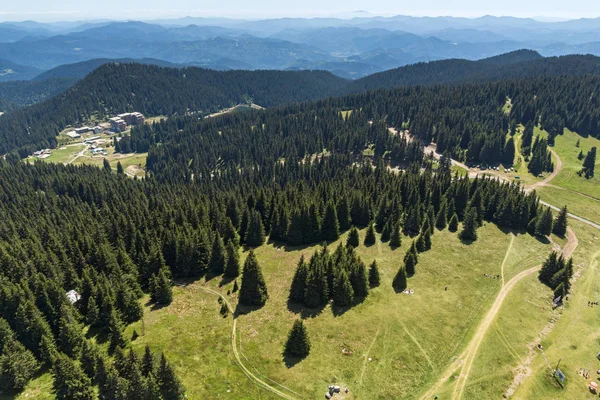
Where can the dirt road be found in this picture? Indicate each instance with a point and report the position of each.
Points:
(255, 379)
(80, 154)
(465, 361)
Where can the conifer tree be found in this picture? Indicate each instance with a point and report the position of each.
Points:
(115, 329)
(232, 270)
(255, 235)
(359, 279)
(453, 224)
(343, 293)
(370, 236)
(89, 360)
(330, 229)
(559, 227)
(298, 343)
(550, 267)
(386, 232)
(70, 334)
(589, 164)
(400, 282)
(396, 236)
(92, 315)
(411, 259)
(470, 224)
(343, 214)
(70, 382)
(508, 155)
(353, 238)
(374, 279)
(120, 170)
(235, 286)
(148, 362)
(106, 165)
(299, 282)
(295, 235)
(253, 291)
(170, 387)
(218, 258)
(440, 220)
(543, 226)
(17, 364)
(161, 290)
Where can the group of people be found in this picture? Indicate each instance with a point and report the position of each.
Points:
(592, 303)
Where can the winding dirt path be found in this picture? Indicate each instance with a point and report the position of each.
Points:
(465, 361)
(255, 379)
(80, 154)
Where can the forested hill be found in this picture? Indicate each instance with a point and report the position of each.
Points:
(516, 65)
(152, 90)
(467, 121)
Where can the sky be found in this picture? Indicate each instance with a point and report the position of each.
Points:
(62, 10)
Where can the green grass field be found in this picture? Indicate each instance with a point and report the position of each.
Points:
(575, 336)
(61, 155)
(568, 151)
(399, 343)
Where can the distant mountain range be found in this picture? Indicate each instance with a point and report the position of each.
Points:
(350, 48)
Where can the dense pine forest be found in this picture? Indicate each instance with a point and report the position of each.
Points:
(516, 65)
(152, 90)
(465, 121)
(112, 238)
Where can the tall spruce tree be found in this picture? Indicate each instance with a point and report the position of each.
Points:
(232, 269)
(370, 236)
(396, 236)
(218, 257)
(299, 282)
(343, 293)
(70, 382)
(353, 238)
(400, 282)
(374, 278)
(253, 291)
(298, 342)
(589, 164)
(543, 226)
(559, 227)
(161, 291)
(330, 229)
(115, 329)
(17, 364)
(470, 224)
(255, 234)
(170, 386)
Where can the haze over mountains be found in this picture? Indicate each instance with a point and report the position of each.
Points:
(350, 48)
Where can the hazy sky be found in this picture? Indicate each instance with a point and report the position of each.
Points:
(53, 10)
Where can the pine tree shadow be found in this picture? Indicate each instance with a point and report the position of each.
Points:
(288, 248)
(225, 280)
(338, 311)
(305, 312)
(99, 333)
(467, 242)
(155, 306)
(543, 239)
(290, 361)
(242, 309)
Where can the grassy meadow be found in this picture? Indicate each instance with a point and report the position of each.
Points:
(399, 343)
